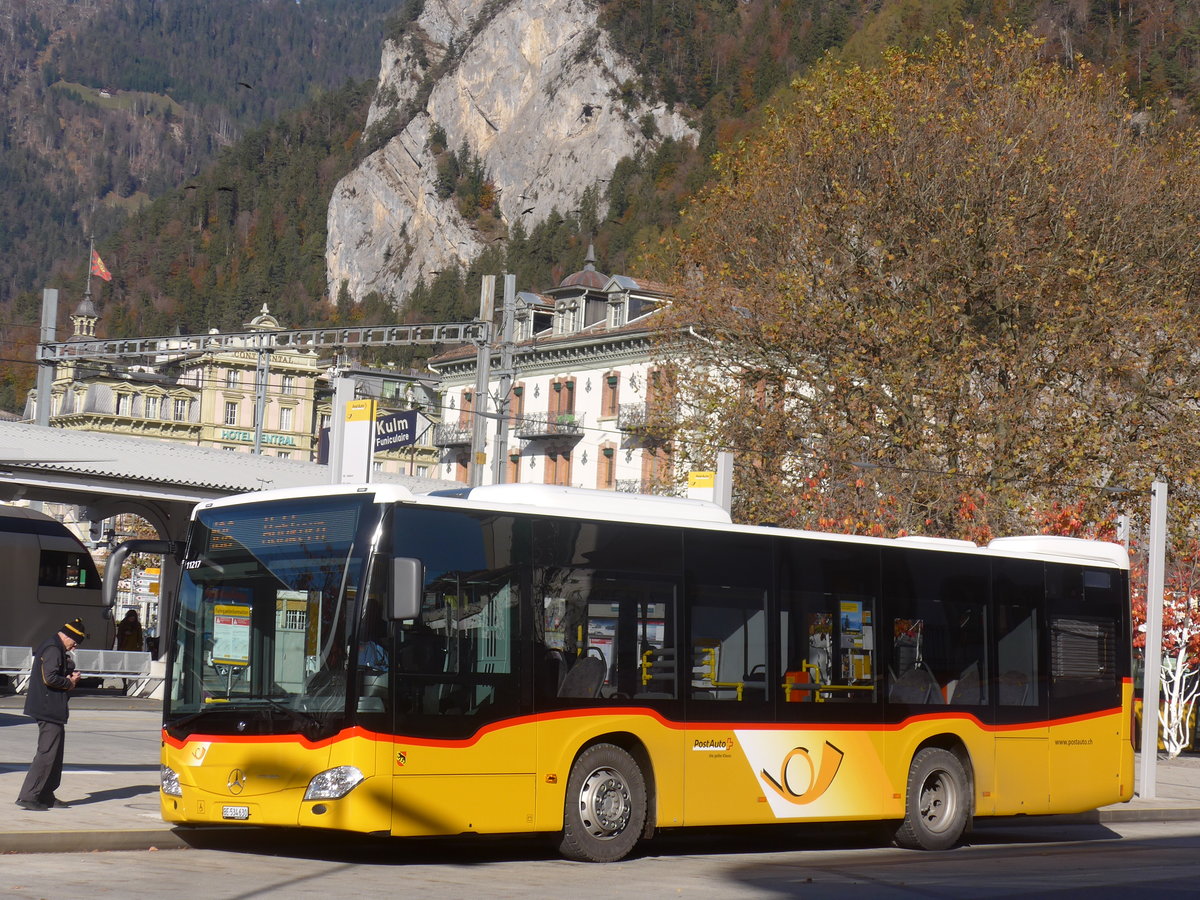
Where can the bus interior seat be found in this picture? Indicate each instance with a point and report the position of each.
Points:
(917, 685)
(968, 688)
(375, 686)
(584, 679)
(754, 683)
(1014, 689)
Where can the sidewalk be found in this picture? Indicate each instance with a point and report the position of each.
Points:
(110, 778)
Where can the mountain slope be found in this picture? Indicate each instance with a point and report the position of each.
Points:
(110, 103)
(553, 126)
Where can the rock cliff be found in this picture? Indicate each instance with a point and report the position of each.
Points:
(534, 89)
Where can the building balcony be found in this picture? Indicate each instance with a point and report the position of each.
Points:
(533, 426)
(642, 417)
(448, 435)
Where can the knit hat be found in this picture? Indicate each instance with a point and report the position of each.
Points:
(75, 630)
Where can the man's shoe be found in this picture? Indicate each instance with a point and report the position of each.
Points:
(32, 805)
(55, 803)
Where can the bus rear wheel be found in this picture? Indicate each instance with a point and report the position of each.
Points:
(605, 809)
(937, 805)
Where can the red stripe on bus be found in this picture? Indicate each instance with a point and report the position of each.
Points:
(616, 712)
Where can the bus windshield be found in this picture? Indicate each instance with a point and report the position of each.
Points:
(265, 607)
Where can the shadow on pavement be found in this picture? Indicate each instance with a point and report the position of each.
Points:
(121, 793)
(478, 850)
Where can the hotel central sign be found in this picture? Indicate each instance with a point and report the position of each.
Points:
(279, 440)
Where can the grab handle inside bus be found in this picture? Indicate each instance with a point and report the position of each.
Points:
(408, 581)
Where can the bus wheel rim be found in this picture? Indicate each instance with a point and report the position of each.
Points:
(605, 803)
(939, 802)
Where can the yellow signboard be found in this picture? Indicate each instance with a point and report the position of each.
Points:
(360, 411)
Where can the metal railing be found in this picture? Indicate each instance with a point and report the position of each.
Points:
(646, 416)
(451, 435)
(543, 425)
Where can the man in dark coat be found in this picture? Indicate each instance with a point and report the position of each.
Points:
(51, 680)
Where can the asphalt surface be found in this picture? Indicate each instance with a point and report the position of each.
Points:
(111, 765)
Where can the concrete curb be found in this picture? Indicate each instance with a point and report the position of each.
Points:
(1132, 814)
(88, 841)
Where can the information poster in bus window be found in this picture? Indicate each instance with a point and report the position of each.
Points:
(555, 622)
(231, 634)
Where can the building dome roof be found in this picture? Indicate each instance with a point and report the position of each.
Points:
(587, 277)
(264, 321)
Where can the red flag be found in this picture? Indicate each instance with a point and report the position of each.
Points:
(98, 267)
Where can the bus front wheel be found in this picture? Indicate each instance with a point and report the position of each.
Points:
(937, 805)
(605, 808)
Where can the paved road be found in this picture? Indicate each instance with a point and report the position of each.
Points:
(112, 779)
(1119, 861)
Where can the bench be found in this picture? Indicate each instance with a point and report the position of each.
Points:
(128, 665)
(15, 662)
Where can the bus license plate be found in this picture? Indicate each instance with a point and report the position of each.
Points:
(235, 812)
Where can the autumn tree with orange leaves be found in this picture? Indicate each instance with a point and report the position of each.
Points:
(938, 295)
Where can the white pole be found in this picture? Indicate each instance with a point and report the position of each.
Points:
(1155, 580)
(343, 392)
(478, 463)
(723, 489)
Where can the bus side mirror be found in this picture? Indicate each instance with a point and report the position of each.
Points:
(408, 581)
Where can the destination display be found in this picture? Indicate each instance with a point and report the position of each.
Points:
(327, 526)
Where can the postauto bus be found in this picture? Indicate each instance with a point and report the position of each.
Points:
(598, 666)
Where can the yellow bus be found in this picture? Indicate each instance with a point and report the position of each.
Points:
(598, 666)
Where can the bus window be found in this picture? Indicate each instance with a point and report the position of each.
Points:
(1020, 587)
(937, 627)
(1084, 611)
(61, 568)
(374, 654)
(828, 628)
(727, 582)
(458, 658)
(604, 600)
(603, 635)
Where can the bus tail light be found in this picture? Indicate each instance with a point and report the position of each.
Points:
(333, 783)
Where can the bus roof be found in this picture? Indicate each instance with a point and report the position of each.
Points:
(584, 503)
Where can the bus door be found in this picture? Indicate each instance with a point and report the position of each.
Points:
(1021, 782)
(1089, 754)
(727, 679)
(939, 683)
(608, 643)
(605, 608)
(463, 754)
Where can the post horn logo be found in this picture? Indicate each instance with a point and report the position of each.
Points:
(236, 781)
(819, 778)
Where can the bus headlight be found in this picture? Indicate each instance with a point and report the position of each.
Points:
(168, 780)
(333, 783)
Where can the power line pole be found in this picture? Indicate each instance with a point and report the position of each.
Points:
(45, 375)
(506, 375)
(261, 372)
(487, 305)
